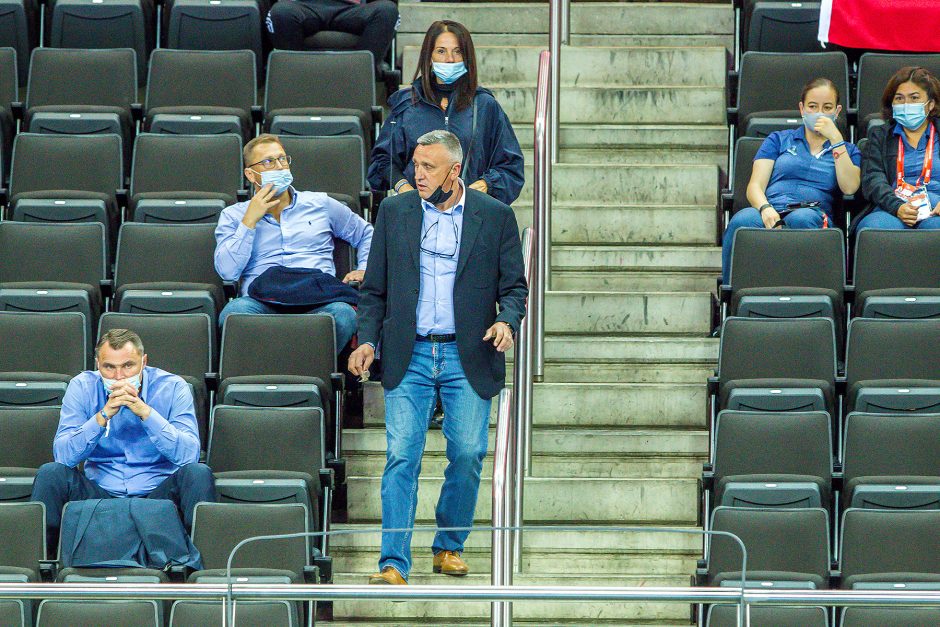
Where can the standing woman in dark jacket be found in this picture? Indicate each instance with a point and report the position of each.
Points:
(444, 95)
(904, 192)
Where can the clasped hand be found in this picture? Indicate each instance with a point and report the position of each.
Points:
(124, 394)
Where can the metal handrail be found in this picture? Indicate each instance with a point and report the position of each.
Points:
(559, 33)
(541, 209)
(503, 503)
(522, 390)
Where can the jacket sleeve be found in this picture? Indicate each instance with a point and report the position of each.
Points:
(876, 182)
(389, 147)
(373, 292)
(512, 281)
(505, 174)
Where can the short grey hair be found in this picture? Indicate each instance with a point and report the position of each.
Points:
(117, 338)
(446, 139)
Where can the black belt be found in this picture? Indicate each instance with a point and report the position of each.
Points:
(446, 337)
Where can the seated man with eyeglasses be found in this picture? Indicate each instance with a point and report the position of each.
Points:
(283, 228)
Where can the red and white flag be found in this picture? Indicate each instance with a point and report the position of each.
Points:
(902, 25)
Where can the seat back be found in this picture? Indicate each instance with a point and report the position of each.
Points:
(889, 616)
(65, 76)
(755, 348)
(896, 259)
(289, 438)
(784, 27)
(312, 79)
(43, 342)
(756, 443)
(177, 343)
(278, 344)
(892, 349)
(89, 163)
(745, 148)
(874, 71)
(879, 445)
(176, 163)
(334, 165)
(23, 529)
(218, 527)
(727, 616)
(201, 78)
(898, 545)
(18, 30)
(762, 74)
(9, 82)
(185, 253)
(71, 253)
(801, 258)
(26, 435)
(86, 613)
(777, 540)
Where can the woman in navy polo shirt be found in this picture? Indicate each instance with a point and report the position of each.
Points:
(902, 158)
(809, 164)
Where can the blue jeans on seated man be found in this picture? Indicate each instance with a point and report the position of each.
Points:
(56, 484)
(342, 313)
(879, 219)
(435, 367)
(805, 218)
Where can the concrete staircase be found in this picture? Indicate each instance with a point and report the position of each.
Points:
(619, 420)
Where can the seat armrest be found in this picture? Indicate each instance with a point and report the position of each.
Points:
(107, 287)
(365, 200)
(838, 478)
(701, 573)
(323, 565)
(242, 195)
(849, 291)
(328, 477)
(311, 574)
(338, 381)
(4, 197)
(724, 293)
(137, 109)
(732, 116)
(708, 477)
(337, 470)
(212, 381)
(48, 569)
(712, 386)
(121, 195)
(18, 109)
(851, 116)
(230, 288)
(356, 285)
(257, 114)
(840, 386)
(377, 115)
(178, 572)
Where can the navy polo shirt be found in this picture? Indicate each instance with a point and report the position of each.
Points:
(798, 176)
(914, 163)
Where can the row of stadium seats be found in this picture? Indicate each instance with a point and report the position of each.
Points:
(777, 26)
(190, 92)
(768, 85)
(217, 528)
(726, 616)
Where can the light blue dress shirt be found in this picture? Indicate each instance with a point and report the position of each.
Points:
(302, 239)
(440, 233)
(136, 455)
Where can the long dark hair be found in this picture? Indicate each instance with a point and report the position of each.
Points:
(467, 85)
(920, 77)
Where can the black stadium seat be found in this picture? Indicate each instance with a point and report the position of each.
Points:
(229, 25)
(172, 179)
(19, 30)
(881, 549)
(85, 613)
(874, 70)
(53, 267)
(890, 616)
(335, 165)
(892, 366)
(777, 616)
(248, 614)
(41, 353)
(735, 199)
(892, 461)
(301, 98)
(199, 92)
(22, 527)
(9, 93)
(890, 280)
(783, 26)
(764, 106)
(184, 281)
(26, 435)
(51, 180)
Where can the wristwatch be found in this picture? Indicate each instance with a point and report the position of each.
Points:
(764, 206)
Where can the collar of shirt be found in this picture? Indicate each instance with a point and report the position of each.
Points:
(456, 209)
(922, 144)
(799, 134)
(290, 205)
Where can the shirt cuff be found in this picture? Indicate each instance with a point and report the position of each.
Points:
(91, 428)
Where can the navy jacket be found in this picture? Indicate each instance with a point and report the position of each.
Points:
(493, 155)
(490, 272)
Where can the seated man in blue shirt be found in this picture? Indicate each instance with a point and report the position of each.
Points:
(134, 426)
(281, 226)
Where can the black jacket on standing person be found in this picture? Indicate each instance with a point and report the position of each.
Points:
(490, 272)
(491, 149)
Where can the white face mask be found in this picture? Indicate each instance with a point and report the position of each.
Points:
(109, 383)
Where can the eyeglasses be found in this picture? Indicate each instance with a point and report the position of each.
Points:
(438, 253)
(268, 164)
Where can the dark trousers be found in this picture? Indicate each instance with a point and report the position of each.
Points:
(291, 21)
(57, 484)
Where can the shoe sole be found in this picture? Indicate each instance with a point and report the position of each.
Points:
(452, 573)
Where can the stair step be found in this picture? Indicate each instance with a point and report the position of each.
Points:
(656, 224)
(623, 104)
(634, 281)
(501, 64)
(594, 18)
(619, 258)
(622, 155)
(624, 350)
(648, 137)
(639, 501)
(624, 312)
(635, 184)
(597, 613)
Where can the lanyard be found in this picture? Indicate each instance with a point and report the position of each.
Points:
(928, 161)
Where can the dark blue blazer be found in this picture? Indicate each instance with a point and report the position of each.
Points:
(490, 272)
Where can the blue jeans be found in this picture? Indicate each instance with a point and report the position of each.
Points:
(435, 367)
(879, 219)
(749, 217)
(343, 314)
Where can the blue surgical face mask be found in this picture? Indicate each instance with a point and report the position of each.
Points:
(134, 381)
(279, 179)
(810, 118)
(910, 115)
(447, 73)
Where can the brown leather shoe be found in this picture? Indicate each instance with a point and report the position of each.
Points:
(389, 576)
(450, 563)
